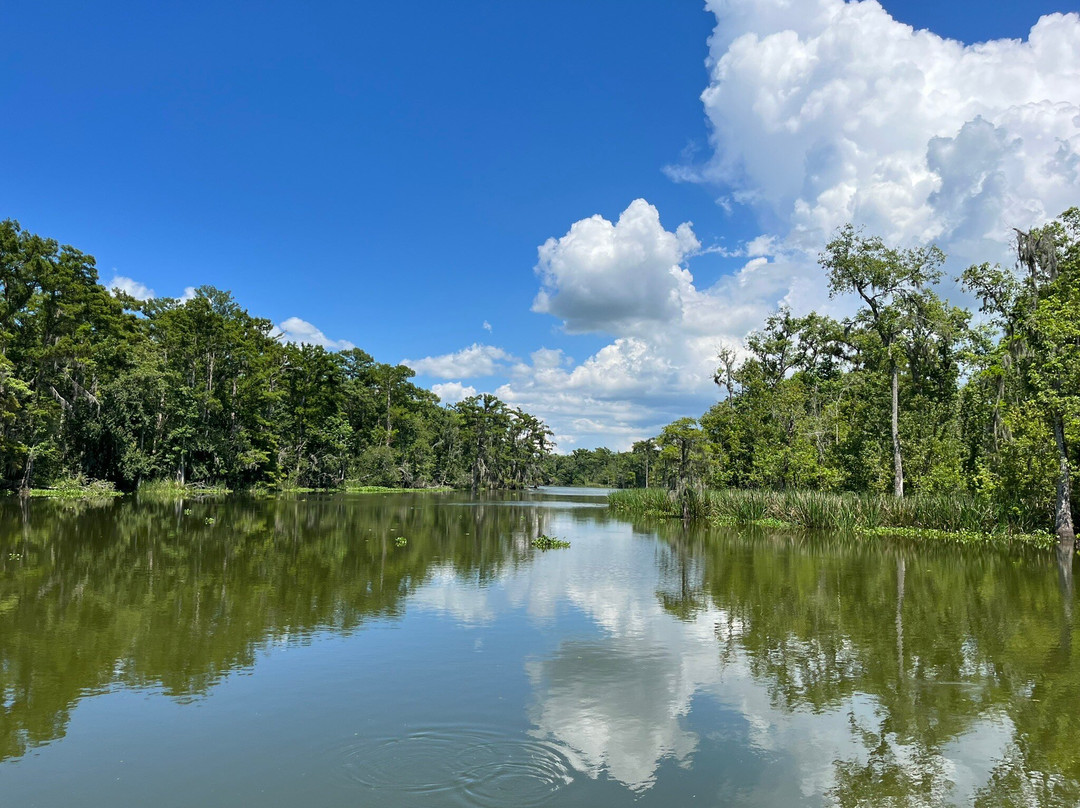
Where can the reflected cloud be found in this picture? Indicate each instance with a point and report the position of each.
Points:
(613, 709)
(618, 696)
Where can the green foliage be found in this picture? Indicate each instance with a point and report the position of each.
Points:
(867, 514)
(170, 490)
(78, 488)
(652, 501)
(545, 542)
(184, 398)
(980, 423)
(382, 489)
(501, 446)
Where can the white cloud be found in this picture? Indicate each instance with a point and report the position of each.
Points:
(130, 286)
(487, 326)
(468, 363)
(821, 112)
(824, 112)
(616, 277)
(301, 331)
(627, 279)
(140, 291)
(453, 392)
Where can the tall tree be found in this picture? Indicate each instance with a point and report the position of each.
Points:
(887, 281)
(1037, 309)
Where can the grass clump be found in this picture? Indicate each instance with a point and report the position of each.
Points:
(354, 488)
(78, 488)
(544, 542)
(650, 501)
(168, 490)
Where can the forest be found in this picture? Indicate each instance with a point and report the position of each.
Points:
(96, 385)
(909, 396)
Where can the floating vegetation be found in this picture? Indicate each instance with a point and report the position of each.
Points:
(401, 541)
(1043, 541)
(209, 520)
(545, 542)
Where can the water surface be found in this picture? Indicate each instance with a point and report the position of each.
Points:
(282, 652)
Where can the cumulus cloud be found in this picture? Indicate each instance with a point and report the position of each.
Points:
(821, 112)
(468, 363)
(301, 331)
(610, 277)
(130, 286)
(825, 112)
(487, 326)
(628, 279)
(453, 392)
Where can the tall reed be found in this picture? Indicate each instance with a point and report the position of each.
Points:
(822, 510)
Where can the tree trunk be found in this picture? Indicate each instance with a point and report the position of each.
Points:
(28, 472)
(898, 461)
(1063, 521)
(387, 413)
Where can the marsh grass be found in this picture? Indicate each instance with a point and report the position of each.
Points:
(77, 488)
(382, 489)
(864, 514)
(168, 490)
(651, 501)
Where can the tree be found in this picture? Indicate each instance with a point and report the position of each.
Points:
(646, 449)
(889, 281)
(1037, 309)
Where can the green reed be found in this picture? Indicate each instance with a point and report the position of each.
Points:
(820, 510)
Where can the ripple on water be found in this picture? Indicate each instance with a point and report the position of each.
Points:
(487, 768)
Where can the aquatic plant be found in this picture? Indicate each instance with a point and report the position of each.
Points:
(544, 542)
(866, 514)
(78, 487)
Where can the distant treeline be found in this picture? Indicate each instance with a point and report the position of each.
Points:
(910, 395)
(96, 385)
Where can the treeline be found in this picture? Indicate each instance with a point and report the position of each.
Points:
(99, 385)
(601, 467)
(911, 394)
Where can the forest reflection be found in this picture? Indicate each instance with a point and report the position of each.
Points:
(977, 658)
(175, 595)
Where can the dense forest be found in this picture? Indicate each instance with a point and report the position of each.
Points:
(98, 385)
(909, 395)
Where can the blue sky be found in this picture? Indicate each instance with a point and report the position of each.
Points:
(385, 173)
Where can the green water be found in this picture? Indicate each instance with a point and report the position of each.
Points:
(292, 652)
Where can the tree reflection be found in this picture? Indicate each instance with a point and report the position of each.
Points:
(175, 595)
(925, 648)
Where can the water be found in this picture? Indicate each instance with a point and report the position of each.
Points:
(290, 652)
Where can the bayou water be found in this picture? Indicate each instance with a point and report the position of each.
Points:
(416, 650)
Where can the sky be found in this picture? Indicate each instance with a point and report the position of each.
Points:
(573, 205)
